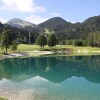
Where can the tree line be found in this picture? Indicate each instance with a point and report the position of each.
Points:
(92, 39)
(51, 41)
(8, 41)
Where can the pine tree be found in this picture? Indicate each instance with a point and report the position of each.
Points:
(6, 39)
(41, 41)
(52, 41)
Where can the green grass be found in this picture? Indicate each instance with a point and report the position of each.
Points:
(27, 47)
(48, 32)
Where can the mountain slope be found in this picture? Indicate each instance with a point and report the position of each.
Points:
(1, 27)
(68, 30)
(92, 24)
(63, 30)
(18, 23)
(24, 25)
(56, 24)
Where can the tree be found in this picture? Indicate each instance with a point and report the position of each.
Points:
(52, 41)
(6, 39)
(80, 42)
(41, 41)
(94, 39)
(25, 40)
(14, 45)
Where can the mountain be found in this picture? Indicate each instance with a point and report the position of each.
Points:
(20, 30)
(24, 25)
(63, 30)
(1, 27)
(92, 24)
(18, 23)
(56, 24)
(67, 30)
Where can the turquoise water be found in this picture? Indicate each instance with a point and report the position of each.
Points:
(51, 78)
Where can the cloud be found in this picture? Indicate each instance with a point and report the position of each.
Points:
(28, 6)
(3, 20)
(38, 19)
(35, 19)
(55, 14)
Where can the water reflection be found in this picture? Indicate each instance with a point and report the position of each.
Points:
(55, 68)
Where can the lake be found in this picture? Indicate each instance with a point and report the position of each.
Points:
(51, 78)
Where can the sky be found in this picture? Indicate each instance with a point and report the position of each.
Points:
(38, 11)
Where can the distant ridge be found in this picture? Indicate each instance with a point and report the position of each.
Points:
(18, 23)
(61, 28)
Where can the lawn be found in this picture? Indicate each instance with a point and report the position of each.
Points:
(76, 50)
(26, 47)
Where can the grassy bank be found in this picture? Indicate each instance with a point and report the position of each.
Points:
(26, 47)
(76, 50)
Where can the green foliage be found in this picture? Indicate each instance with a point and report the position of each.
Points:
(22, 35)
(41, 41)
(25, 40)
(62, 42)
(80, 43)
(6, 39)
(52, 41)
(66, 33)
(56, 24)
(94, 39)
(1, 27)
(92, 24)
(14, 46)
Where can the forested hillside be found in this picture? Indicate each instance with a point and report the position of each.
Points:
(85, 33)
(21, 35)
(69, 33)
(67, 30)
(57, 24)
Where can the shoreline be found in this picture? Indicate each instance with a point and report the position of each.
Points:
(41, 53)
(27, 53)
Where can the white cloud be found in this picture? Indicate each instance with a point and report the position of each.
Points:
(3, 20)
(35, 19)
(55, 14)
(28, 6)
(38, 19)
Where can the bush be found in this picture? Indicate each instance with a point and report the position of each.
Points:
(14, 47)
(80, 43)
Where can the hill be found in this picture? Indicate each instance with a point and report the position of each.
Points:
(56, 24)
(92, 24)
(63, 30)
(21, 35)
(67, 30)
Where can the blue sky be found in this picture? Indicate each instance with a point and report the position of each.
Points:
(37, 11)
